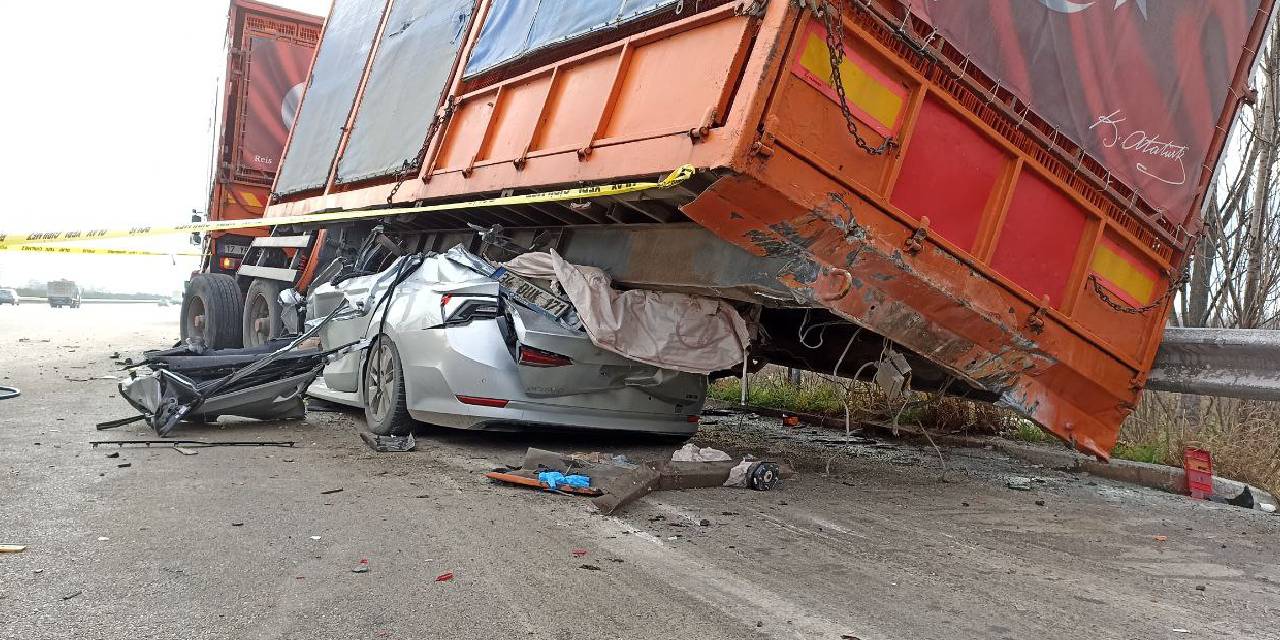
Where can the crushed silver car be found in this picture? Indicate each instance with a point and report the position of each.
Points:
(466, 344)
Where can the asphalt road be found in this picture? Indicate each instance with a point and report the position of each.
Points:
(246, 543)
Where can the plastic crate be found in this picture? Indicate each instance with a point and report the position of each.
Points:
(1198, 465)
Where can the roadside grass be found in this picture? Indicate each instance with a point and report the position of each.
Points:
(820, 395)
(1243, 436)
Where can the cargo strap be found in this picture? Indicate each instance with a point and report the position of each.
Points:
(9, 240)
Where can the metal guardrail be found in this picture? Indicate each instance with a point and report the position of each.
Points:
(1229, 363)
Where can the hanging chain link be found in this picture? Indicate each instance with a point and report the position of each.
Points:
(1174, 288)
(829, 14)
(411, 167)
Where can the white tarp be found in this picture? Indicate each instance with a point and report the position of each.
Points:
(677, 331)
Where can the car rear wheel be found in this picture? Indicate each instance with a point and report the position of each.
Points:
(262, 318)
(211, 310)
(385, 411)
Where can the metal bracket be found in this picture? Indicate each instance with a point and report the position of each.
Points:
(1035, 321)
(915, 242)
(763, 146)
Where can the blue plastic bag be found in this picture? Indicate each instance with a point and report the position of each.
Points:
(553, 479)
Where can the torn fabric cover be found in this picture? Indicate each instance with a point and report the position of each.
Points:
(677, 331)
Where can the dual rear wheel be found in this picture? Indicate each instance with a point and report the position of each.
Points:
(217, 312)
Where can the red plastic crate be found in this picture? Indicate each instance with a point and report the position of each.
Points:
(1198, 465)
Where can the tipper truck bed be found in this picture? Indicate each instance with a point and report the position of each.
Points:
(1003, 190)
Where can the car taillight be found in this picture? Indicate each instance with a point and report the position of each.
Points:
(230, 263)
(692, 419)
(444, 299)
(531, 357)
(482, 402)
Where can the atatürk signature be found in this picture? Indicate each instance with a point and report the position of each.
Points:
(1139, 141)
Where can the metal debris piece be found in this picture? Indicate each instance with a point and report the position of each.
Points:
(389, 444)
(194, 443)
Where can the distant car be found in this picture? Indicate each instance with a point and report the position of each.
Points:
(164, 302)
(455, 350)
(9, 296)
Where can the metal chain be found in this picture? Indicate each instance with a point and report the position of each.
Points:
(408, 168)
(829, 14)
(1174, 288)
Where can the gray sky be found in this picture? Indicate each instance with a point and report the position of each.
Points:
(106, 121)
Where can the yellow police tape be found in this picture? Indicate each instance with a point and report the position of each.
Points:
(94, 251)
(9, 240)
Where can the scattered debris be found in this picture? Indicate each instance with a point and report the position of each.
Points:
(444, 577)
(103, 538)
(1039, 503)
(389, 444)
(185, 451)
(1019, 484)
(1244, 499)
(589, 567)
(523, 478)
(578, 553)
(704, 523)
(1200, 587)
(192, 443)
(192, 381)
(315, 537)
(790, 421)
(113, 454)
(555, 479)
(71, 595)
(1160, 538)
(327, 492)
(12, 548)
(362, 567)
(124, 465)
(692, 453)
(237, 524)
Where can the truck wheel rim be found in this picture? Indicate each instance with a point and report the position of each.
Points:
(195, 318)
(381, 381)
(260, 314)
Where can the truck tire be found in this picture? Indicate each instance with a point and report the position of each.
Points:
(211, 310)
(382, 384)
(262, 319)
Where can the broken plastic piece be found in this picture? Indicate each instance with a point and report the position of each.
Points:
(448, 575)
(388, 444)
(554, 480)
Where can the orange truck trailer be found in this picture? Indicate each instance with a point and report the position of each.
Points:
(1003, 192)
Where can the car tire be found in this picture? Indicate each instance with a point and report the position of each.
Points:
(262, 319)
(382, 383)
(212, 309)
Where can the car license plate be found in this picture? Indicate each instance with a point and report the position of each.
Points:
(532, 295)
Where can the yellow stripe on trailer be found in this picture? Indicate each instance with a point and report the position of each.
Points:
(676, 177)
(871, 95)
(1124, 274)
